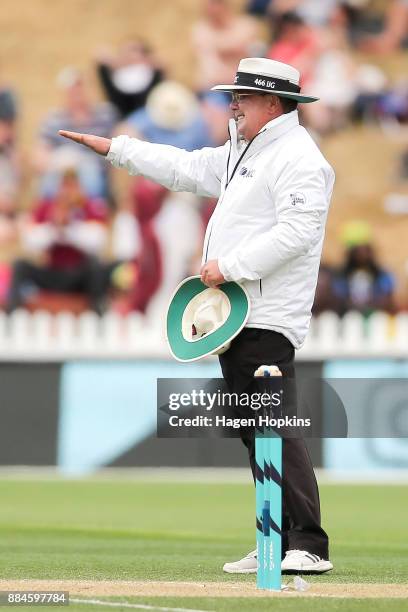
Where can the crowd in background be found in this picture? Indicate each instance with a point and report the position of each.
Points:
(85, 244)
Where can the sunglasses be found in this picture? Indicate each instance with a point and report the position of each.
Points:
(236, 98)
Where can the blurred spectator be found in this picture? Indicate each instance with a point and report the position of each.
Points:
(79, 114)
(257, 7)
(329, 69)
(129, 76)
(335, 77)
(372, 88)
(360, 16)
(325, 297)
(154, 259)
(220, 39)
(312, 12)
(394, 33)
(10, 179)
(393, 104)
(67, 233)
(362, 283)
(295, 43)
(172, 116)
(356, 19)
(8, 105)
(179, 216)
(9, 167)
(139, 278)
(316, 12)
(380, 100)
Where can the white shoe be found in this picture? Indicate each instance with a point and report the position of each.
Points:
(247, 565)
(303, 562)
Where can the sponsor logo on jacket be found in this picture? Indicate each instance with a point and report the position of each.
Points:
(247, 172)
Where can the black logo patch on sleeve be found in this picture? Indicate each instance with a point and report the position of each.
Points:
(297, 198)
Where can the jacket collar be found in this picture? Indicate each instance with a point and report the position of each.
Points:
(270, 131)
(267, 134)
(279, 126)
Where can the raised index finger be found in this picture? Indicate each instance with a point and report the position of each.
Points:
(76, 136)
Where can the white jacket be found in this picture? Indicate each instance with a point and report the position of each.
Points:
(267, 229)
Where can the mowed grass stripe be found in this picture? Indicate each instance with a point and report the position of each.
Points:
(179, 531)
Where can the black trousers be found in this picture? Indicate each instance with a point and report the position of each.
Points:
(301, 527)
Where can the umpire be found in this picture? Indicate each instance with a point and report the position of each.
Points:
(274, 188)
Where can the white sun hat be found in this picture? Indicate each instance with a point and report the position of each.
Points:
(202, 321)
(268, 76)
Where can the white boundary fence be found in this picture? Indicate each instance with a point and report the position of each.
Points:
(45, 337)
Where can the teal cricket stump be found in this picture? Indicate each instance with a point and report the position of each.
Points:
(268, 484)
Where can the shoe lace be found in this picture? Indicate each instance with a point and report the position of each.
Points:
(251, 554)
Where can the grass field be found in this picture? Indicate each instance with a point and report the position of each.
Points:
(105, 532)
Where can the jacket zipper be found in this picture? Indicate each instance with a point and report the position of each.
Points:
(228, 181)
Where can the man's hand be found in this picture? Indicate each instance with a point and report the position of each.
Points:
(211, 275)
(96, 143)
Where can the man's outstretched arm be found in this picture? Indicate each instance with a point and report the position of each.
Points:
(96, 143)
(197, 171)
